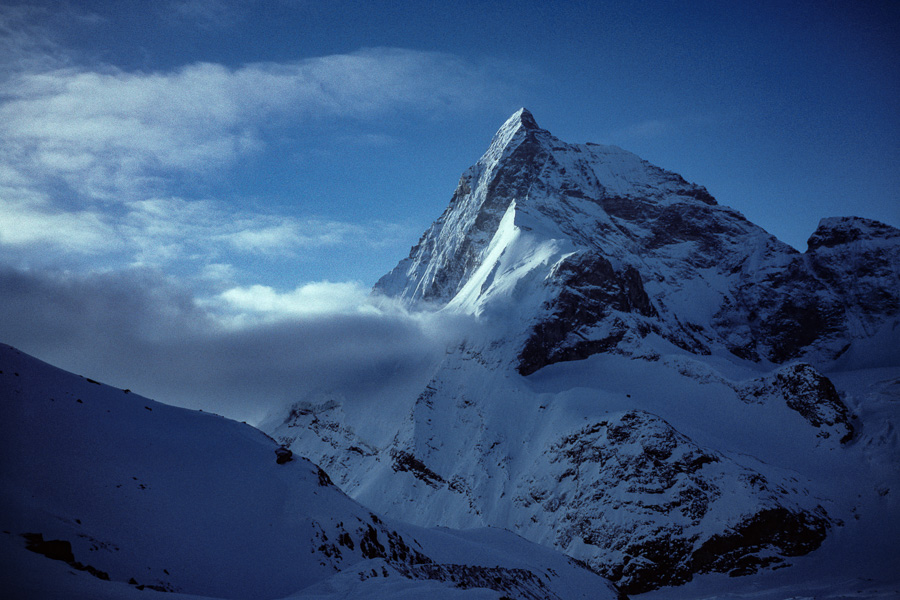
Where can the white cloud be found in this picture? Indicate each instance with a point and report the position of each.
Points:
(158, 232)
(268, 238)
(35, 223)
(167, 228)
(219, 272)
(307, 300)
(109, 133)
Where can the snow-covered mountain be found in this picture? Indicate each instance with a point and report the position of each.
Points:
(650, 383)
(597, 248)
(105, 494)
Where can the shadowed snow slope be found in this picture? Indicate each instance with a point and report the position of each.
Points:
(118, 496)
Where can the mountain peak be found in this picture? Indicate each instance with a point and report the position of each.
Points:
(521, 120)
(524, 117)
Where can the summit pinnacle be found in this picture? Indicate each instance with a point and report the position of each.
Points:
(524, 116)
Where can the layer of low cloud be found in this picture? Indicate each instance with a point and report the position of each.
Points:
(251, 351)
(306, 300)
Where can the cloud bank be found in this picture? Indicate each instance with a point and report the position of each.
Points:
(243, 354)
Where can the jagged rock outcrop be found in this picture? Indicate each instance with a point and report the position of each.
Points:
(858, 259)
(283, 455)
(803, 389)
(591, 290)
(676, 495)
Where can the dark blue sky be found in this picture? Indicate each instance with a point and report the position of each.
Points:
(228, 144)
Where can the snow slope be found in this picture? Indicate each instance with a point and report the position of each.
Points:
(638, 468)
(118, 496)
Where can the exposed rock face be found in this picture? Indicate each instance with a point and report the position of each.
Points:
(675, 494)
(815, 398)
(858, 259)
(52, 549)
(518, 582)
(739, 550)
(843, 289)
(60, 550)
(803, 389)
(839, 232)
(405, 461)
(590, 290)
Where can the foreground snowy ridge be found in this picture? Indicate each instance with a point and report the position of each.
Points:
(105, 494)
(654, 385)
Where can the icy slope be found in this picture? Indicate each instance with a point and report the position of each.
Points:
(116, 496)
